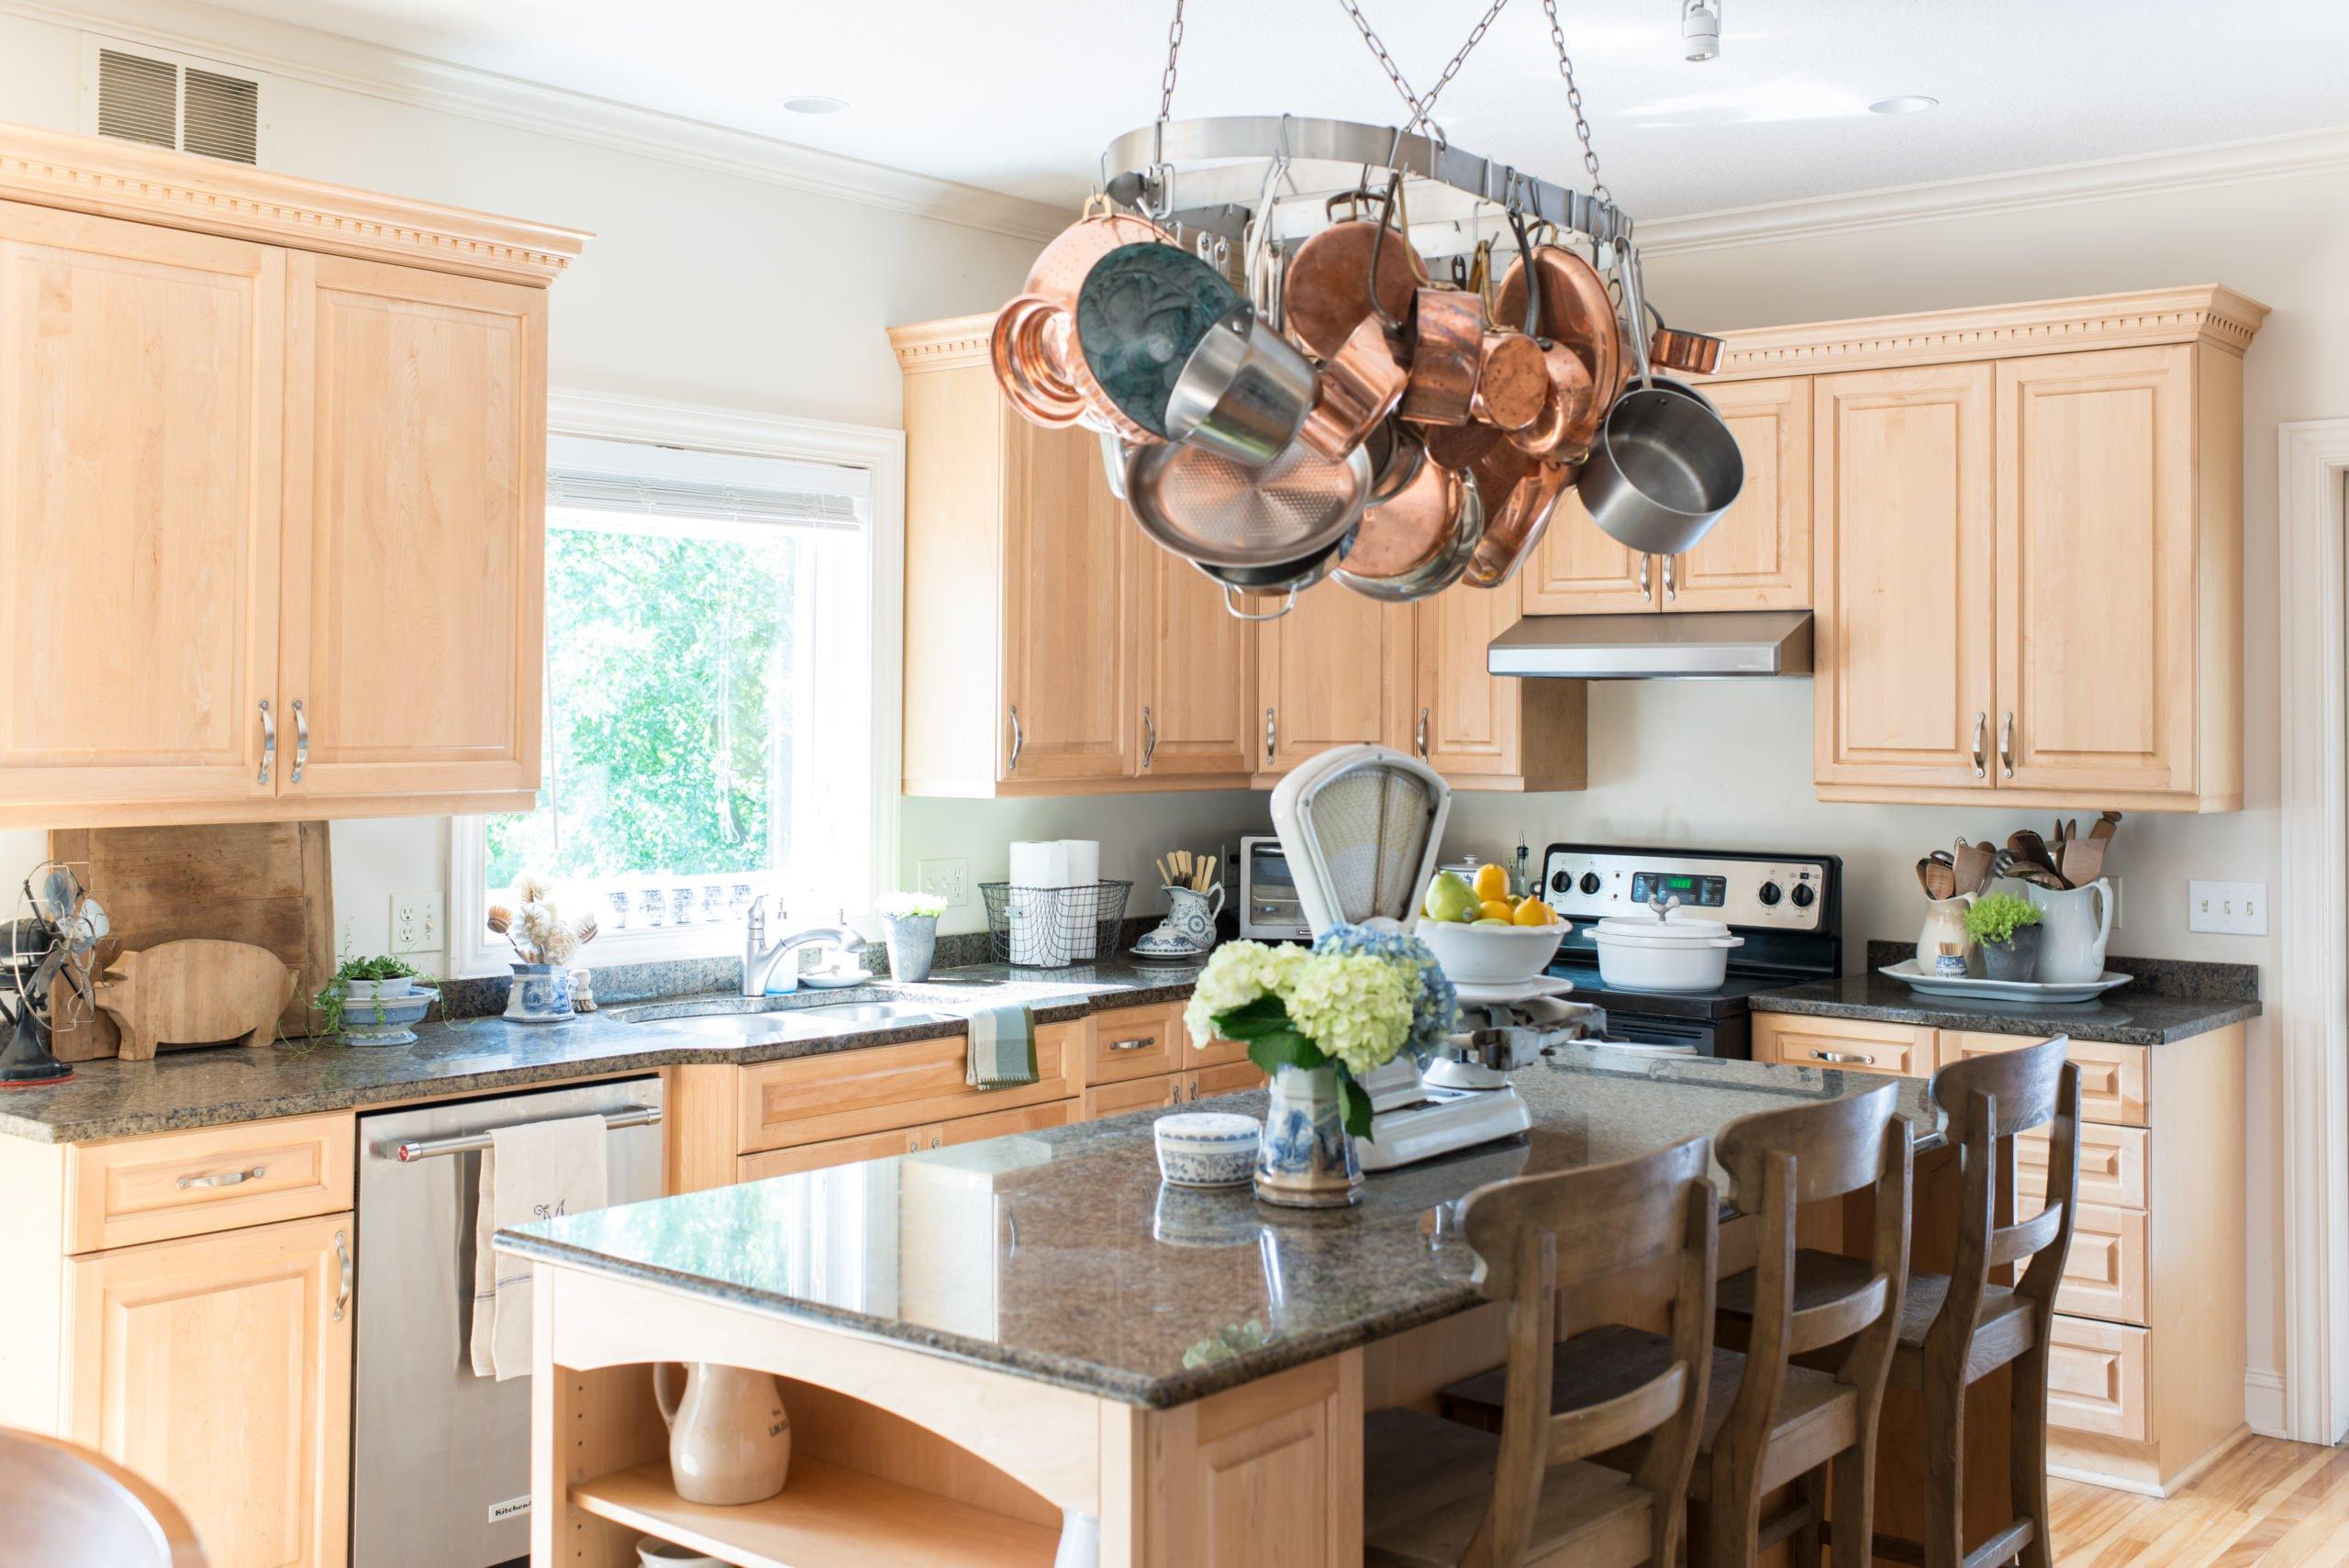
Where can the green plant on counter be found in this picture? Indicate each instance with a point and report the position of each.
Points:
(1993, 918)
(330, 1001)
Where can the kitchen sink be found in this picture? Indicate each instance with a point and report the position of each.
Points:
(764, 1020)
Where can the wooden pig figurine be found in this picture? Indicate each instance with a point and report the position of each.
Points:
(196, 992)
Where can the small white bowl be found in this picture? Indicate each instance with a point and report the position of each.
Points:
(1206, 1149)
(1491, 955)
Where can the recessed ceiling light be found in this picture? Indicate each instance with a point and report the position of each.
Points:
(1907, 103)
(815, 103)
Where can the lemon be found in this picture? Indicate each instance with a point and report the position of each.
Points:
(1496, 909)
(1534, 912)
(1492, 883)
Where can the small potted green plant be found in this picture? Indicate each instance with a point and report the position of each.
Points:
(368, 982)
(2006, 928)
(910, 923)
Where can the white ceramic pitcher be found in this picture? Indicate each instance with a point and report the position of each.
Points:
(730, 1440)
(2077, 920)
(1946, 925)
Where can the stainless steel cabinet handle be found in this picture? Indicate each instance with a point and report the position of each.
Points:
(1149, 737)
(224, 1178)
(1981, 745)
(301, 740)
(1854, 1058)
(268, 740)
(1422, 738)
(1269, 734)
(1017, 740)
(1140, 1042)
(1645, 560)
(2006, 744)
(1671, 590)
(342, 1292)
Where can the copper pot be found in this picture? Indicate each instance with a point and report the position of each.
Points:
(1571, 410)
(1024, 352)
(1048, 373)
(1329, 290)
(1458, 446)
(1360, 384)
(1571, 305)
(1691, 353)
(1420, 541)
(1520, 493)
(1447, 352)
(1512, 381)
(1059, 270)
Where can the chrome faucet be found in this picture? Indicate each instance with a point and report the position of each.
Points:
(759, 960)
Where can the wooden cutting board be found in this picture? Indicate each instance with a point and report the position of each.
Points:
(263, 883)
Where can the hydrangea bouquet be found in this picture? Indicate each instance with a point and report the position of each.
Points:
(1355, 1001)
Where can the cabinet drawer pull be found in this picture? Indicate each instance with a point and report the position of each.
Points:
(224, 1178)
(1017, 740)
(1271, 734)
(1139, 1042)
(268, 740)
(1852, 1057)
(2006, 744)
(1149, 737)
(1671, 589)
(1644, 592)
(1981, 745)
(1422, 738)
(301, 740)
(342, 1291)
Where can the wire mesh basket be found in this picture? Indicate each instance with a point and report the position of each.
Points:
(1051, 927)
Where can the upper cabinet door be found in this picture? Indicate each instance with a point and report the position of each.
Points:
(1467, 721)
(1758, 556)
(141, 399)
(2096, 623)
(1197, 671)
(1906, 632)
(1067, 679)
(1577, 570)
(414, 531)
(1335, 671)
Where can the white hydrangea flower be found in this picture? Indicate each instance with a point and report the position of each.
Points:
(1236, 975)
(1357, 1009)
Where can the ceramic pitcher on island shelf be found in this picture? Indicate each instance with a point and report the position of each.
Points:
(2076, 922)
(1942, 942)
(730, 1440)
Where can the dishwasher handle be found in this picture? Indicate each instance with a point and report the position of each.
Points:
(426, 1147)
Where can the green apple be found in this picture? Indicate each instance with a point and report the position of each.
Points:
(1449, 898)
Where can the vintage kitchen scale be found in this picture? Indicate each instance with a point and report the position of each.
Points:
(1362, 827)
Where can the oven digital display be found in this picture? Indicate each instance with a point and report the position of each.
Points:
(1694, 892)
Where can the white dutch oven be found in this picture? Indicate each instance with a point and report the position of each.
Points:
(1668, 953)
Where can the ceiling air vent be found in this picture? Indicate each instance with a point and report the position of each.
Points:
(168, 100)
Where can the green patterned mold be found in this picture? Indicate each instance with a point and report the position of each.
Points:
(1142, 311)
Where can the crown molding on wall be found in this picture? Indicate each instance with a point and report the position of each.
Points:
(351, 66)
(1986, 195)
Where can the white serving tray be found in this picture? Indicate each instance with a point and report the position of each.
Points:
(1967, 988)
(1524, 991)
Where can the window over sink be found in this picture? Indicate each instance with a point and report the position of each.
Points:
(710, 714)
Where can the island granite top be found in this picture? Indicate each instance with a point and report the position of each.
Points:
(113, 1098)
(1059, 1256)
(2126, 1016)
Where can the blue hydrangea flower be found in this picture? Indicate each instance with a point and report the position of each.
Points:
(1435, 1007)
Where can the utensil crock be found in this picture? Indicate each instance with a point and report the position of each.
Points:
(2077, 922)
(1946, 925)
(729, 1440)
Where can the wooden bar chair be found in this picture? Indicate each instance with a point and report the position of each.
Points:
(1769, 1422)
(1438, 1493)
(1957, 1328)
(61, 1503)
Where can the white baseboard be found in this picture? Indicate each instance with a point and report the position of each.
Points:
(2263, 1402)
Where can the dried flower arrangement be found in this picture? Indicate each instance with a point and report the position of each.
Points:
(539, 932)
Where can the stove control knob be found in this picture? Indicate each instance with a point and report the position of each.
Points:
(1589, 882)
(1561, 883)
(1769, 895)
(1804, 896)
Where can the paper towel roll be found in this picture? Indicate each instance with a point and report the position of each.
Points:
(1084, 867)
(1038, 868)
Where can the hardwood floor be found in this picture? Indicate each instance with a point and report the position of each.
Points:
(2267, 1502)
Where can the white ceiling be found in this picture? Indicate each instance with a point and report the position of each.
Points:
(1019, 96)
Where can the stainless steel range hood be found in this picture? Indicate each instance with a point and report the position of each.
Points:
(1655, 647)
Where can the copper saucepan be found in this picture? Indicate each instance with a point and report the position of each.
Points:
(1571, 410)
(1512, 381)
(1568, 302)
(1329, 287)
(1520, 495)
(1692, 354)
(1447, 352)
(1360, 384)
(1420, 541)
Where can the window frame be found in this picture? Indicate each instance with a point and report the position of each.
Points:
(881, 454)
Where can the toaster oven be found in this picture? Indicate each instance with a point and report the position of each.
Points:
(1269, 910)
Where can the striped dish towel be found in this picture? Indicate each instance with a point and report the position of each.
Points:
(1002, 1048)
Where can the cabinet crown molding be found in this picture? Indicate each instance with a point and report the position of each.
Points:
(939, 345)
(179, 190)
(2209, 312)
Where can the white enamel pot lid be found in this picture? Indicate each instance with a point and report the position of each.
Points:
(1676, 928)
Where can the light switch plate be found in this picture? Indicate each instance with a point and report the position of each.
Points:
(948, 878)
(417, 921)
(2232, 908)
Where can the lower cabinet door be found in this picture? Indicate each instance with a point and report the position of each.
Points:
(218, 1367)
(1002, 1124)
(832, 1152)
(1230, 1078)
(1133, 1094)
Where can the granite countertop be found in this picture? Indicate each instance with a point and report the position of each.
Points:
(2130, 1015)
(113, 1098)
(1059, 1256)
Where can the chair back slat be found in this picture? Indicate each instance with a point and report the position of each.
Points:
(2011, 1243)
(1611, 1423)
(1608, 1220)
(1832, 1322)
(1837, 1147)
(2021, 1082)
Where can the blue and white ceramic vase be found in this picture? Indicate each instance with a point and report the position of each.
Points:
(913, 945)
(540, 993)
(1305, 1159)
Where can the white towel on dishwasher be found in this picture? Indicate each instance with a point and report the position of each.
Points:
(536, 1171)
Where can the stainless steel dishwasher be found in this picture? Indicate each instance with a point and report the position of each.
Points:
(439, 1458)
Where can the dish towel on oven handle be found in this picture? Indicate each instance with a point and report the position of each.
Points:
(536, 1171)
(1002, 1053)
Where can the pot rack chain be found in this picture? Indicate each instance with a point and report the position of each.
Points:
(1166, 84)
(1574, 98)
(1422, 109)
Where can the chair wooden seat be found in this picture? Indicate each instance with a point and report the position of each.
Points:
(2007, 1326)
(62, 1504)
(1816, 1413)
(1427, 1483)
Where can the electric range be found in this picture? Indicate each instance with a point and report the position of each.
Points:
(1789, 909)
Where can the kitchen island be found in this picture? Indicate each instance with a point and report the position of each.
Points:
(1029, 1346)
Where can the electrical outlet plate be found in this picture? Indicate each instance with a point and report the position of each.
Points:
(417, 922)
(2230, 909)
(950, 878)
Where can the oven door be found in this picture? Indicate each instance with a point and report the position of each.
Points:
(1717, 1037)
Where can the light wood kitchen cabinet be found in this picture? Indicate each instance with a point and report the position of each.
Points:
(1335, 671)
(1857, 1045)
(218, 1367)
(1485, 731)
(414, 531)
(1050, 647)
(273, 460)
(1578, 570)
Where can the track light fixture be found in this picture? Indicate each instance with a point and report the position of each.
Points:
(1700, 28)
